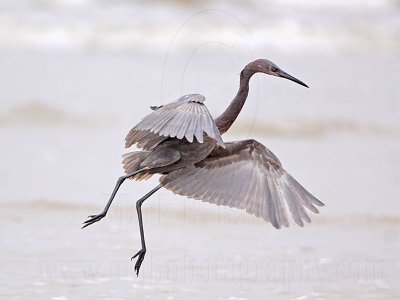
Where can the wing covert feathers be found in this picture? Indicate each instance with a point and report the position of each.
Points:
(185, 118)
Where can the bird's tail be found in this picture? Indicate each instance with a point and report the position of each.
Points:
(131, 162)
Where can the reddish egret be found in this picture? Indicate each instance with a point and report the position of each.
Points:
(182, 142)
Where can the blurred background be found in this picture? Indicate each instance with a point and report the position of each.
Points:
(76, 75)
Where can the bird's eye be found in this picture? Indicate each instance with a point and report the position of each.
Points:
(274, 69)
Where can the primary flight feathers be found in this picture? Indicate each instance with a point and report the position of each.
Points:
(245, 175)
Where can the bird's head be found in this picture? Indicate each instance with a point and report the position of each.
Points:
(267, 67)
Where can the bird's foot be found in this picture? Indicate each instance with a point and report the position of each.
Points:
(140, 255)
(93, 219)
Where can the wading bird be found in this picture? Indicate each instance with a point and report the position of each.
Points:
(182, 142)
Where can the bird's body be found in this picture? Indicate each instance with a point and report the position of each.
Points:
(182, 142)
(170, 155)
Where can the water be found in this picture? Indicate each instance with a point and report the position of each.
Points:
(77, 75)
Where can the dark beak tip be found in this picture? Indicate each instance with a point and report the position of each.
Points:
(294, 79)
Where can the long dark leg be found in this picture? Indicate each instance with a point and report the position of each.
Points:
(142, 251)
(96, 218)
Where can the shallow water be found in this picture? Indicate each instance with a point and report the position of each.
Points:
(194, 254)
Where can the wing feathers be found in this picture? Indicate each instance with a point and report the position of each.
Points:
(187, 117)
(248, 176)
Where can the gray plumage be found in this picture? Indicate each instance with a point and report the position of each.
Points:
(183, 143)
(242, 174)
(248, 176)
(186, 118)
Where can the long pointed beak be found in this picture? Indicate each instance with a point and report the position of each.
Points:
(290, 77)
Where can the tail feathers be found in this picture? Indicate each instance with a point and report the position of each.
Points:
(131, 162)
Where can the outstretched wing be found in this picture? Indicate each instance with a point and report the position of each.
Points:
(245, 175)
(186, 118)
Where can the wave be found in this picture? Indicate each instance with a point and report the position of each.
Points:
(130, 25)
(37, 114)
(210, 214)
(43, 115)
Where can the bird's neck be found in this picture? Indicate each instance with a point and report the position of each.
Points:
(226, 119)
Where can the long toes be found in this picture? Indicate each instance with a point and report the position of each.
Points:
(139, 261)
(86, 225)
(135, 255)
(91, 221)
(94, 218)
(137, 267)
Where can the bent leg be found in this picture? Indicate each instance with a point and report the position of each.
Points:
(95, 218)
